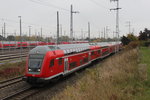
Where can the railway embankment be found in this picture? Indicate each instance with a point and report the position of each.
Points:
(10, 70)
(125, 76)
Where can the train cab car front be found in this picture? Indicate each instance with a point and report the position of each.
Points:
(34, 68)
(34, 65)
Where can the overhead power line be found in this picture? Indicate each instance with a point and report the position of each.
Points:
(98, 4)
(41, 2)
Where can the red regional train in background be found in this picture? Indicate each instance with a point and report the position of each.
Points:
(13, 44)
(45, 63)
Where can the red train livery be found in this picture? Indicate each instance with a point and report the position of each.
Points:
(25, 44)
(48, 62)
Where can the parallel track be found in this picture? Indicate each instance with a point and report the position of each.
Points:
(12, 56)
(2, 52)
(15, 50)
(18, 92)
(10, 81)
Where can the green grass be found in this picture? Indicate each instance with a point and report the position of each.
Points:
(145, 59)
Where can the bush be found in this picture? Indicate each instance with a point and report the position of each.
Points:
(145, 43)
(7, 72)
(133, 44)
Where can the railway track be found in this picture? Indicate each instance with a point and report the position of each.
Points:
(21, 93)
(11, 81)
(12, 51)
(12, 56)
(17, 94)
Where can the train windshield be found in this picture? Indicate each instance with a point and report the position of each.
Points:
(35, 61)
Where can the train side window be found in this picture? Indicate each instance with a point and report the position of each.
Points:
(73, 65)
(85, 60)
(60, 61)
(99, 51)
(51, 63)
(92, 53)
(81, 61)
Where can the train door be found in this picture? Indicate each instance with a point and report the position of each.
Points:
(65, 65)
(89, 56)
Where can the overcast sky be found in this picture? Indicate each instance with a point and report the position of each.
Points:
(42, 13)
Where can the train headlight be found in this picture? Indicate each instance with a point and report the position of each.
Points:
(39, 70)
(29, 69)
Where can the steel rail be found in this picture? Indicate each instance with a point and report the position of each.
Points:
(10, 81)
(16, 93)
(12, 57)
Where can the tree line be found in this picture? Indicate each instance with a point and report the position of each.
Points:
(143, 36)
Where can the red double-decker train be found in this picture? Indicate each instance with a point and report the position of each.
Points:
(48, 62)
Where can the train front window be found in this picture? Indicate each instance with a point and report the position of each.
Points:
(35, 63)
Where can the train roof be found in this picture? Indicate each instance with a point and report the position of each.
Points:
(68, 47)
(103, 44)
(44, 49)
